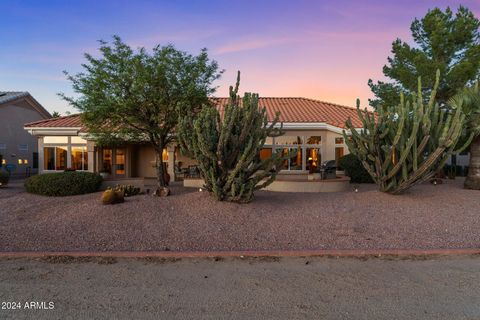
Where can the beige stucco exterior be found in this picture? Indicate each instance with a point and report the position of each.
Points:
(140, 158)
(17, 146)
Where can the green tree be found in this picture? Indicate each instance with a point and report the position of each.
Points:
(471, 107)
(442, 41)
(405, 144)
(227, 148)
(56, 114)
(128, 95)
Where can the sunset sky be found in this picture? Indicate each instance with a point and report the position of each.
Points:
(325, 50)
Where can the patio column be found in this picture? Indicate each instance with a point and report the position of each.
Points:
(40, 154)
(171, 162)
(91, 155)
(69, 153)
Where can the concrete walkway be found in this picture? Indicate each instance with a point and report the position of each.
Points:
(248, 288)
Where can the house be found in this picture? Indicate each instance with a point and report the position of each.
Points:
(18, 148)
(313, 128)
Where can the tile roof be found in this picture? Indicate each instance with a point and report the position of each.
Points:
(292, 110)
(298, 110)
(71, 121)
(7, 96)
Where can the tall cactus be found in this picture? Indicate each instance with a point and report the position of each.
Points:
(404, 145)
(227, 149)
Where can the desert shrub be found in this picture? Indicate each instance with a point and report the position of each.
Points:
(455, 171)
(61, 184)
(354, 169)
(4, 177)
(112, 196)
(128, 190)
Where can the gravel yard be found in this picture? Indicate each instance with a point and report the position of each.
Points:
(444, 216)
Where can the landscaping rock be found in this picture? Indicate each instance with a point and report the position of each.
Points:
(162, 192)
(112, 197)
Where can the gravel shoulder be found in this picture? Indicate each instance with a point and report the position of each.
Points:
(443, 216)
(286, 288)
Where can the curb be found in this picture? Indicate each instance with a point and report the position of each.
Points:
(241, 254)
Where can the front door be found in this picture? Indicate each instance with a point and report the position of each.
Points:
(120, 162)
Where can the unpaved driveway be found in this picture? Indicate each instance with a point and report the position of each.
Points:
(288, 288)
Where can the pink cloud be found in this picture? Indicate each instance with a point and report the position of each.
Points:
(254, 43)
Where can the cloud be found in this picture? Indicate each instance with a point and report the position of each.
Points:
(254, 43)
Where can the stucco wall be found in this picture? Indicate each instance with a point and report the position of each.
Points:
(146, 155)
(145, 161)
(13, 116)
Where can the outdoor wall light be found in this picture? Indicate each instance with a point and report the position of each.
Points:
(25, 161)
(20, 161)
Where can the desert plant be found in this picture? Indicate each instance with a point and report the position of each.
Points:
(405, 145)
(227, 148)
(61, 184)
(4, 178)
(354, 169)
(112, 196)
(471, 95)
(128, 190)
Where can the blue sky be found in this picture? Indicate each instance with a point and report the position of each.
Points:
(318, 49)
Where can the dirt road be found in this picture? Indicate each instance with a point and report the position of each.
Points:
(267, 288)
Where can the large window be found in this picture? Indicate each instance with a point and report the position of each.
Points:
(107, 161)
(55, 158)
(314, 159)
(62, 152)
(79, 158)
(119, 161)
(304, 151)
(49, 158)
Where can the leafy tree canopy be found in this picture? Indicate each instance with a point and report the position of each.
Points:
(128, 94)
(442, 41)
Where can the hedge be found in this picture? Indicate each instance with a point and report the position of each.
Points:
(354, 169)
(60, 184)
(4, 177)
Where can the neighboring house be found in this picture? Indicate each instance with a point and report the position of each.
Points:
(19, 149)
(313, 127)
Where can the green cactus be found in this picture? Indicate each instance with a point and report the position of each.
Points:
(227, 148)
(404, 145)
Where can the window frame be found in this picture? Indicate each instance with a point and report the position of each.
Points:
(68, 145)
(303, 149)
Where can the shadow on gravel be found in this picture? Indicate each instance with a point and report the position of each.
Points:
(70, 259)
(248, 259)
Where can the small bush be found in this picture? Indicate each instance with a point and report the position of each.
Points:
(61, 184)
(354, 169)
(455, 171)
(4, 177)
(128, 190)
(111, 196)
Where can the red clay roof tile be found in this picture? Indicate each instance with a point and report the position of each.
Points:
(292, 110)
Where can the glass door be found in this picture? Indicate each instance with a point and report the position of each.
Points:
(120, 161)
(314, 159)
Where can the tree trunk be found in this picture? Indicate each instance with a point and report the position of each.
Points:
(161, 182)
(473, 179)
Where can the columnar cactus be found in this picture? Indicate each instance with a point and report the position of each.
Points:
(227, 149)
(407, 144)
